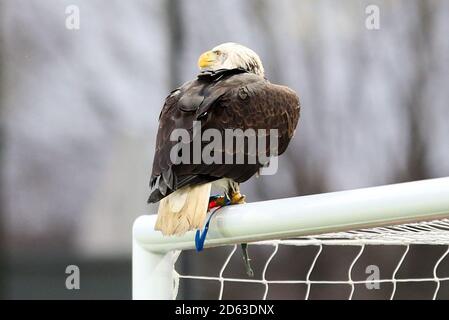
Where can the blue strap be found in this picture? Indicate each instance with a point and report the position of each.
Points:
(200, 237)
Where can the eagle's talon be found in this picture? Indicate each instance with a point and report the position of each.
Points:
(238, 198)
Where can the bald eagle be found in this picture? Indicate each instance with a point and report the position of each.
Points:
(230, 92)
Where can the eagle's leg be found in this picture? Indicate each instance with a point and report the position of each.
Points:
(233, 193)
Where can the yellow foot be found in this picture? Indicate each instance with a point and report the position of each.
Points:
(237, 198)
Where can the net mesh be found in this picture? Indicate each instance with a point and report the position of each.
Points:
(434, 234)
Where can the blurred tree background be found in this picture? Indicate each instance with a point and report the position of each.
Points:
(79, 113)
(2, 239)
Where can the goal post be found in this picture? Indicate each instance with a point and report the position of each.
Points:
(336, 213)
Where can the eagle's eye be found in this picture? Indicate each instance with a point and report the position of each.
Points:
(217, 52)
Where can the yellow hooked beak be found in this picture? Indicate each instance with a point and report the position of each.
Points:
(207, 59)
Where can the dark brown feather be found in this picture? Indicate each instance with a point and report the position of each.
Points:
(224, 99)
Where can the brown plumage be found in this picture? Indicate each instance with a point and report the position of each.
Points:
(221, 99)
(226, 99)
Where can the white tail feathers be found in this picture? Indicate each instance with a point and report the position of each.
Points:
(183, 210)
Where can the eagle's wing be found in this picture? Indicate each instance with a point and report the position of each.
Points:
(230, 99)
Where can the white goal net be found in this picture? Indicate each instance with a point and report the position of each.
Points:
(409, 261)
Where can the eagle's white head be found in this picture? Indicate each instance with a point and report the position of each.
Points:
(229, 56)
